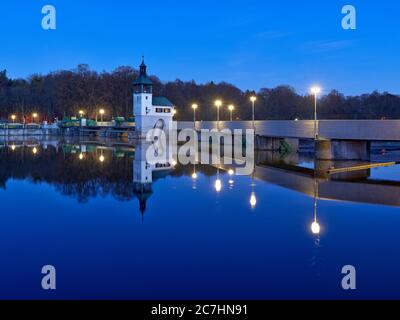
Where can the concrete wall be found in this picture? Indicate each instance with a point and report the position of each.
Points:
(372, 130)
(28, 132)
(267, 144)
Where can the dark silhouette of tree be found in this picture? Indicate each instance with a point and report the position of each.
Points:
(65, 92)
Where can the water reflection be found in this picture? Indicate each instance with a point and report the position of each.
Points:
(267, 228)
(315, 226)
(253, 199)
(88, 169)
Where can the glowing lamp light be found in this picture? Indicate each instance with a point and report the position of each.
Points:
(13, 117)
(13, 147)
(218, 103)
(315, 90)
(194, 106)
(174, 163)
(194, 176)
(253, 200)
(253, 98)
(231, 172)
(218, 185)
(102, 111)
(81, 112)
(81, 156)
(231, 107)
(102, 158)
(34, 150)
(315, 228)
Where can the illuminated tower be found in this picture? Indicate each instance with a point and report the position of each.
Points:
(150, 112)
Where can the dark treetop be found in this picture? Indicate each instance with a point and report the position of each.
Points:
(66, 92)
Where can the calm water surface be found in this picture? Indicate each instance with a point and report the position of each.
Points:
(181, 239)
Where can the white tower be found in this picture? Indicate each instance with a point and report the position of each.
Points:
(142, 97)
(150, 112)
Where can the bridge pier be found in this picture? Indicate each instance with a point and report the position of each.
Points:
(342, 150)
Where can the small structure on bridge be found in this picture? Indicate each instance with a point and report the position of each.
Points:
(150, 112)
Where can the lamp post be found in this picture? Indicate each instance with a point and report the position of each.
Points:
(231, 108)
(315, 91)
(218, 104)
(194, 107)
(34, 116)
(253, 100)
(13, 117)
(81, 113)
(101, 114)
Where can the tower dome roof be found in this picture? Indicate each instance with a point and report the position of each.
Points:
(143, 78)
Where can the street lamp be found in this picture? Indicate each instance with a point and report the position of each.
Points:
(13, 117)
(81, 113)
(231, 108)
(315, 91)
(34, 116)
(253, 100)
(218, 104)
(194, 107)
(101, 114)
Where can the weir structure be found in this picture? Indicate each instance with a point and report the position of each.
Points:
(337, 139)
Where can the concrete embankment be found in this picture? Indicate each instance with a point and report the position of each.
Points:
(25, 132)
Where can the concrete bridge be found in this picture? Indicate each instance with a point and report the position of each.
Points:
(337, 139)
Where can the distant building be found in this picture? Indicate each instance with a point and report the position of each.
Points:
(150, 112)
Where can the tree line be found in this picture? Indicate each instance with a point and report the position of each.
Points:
(64, 93)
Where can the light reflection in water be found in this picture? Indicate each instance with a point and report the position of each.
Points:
(120, 182)
(315, 226)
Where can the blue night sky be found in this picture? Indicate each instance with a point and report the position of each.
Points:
(252, 44)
